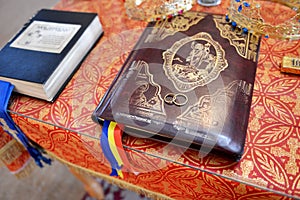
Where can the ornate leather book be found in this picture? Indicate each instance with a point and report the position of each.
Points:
(189, 80)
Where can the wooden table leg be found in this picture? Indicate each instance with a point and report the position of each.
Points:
(91, 185)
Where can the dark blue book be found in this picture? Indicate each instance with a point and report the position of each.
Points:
(42, 57)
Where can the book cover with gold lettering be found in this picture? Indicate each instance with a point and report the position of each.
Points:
(189, 81)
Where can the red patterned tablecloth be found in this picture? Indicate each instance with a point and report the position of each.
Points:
(270, 167)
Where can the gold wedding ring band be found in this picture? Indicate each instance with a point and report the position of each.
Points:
(176, 99)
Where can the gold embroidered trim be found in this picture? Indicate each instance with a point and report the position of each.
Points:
(9, 130)
(115, 181)
(10, 152)
(7, 146)
(26, 170)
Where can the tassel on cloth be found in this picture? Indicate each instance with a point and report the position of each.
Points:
(13, 130)
(14, 156)
(111, 143)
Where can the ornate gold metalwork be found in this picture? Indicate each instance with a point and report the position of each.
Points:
(151, 10)
(248, 14)
(245, 44)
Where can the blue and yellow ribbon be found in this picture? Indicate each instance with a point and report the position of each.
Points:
(12, 129)
(111, 143)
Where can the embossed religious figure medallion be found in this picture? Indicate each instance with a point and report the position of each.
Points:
(204, 61)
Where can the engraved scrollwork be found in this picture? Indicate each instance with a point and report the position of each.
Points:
(210, 110)
(166, 27)
(145, 104)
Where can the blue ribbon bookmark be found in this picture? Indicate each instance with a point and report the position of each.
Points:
(111, 144)
(12, 129)
(107, 151)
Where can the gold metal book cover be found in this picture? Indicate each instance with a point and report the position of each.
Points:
(189, 80)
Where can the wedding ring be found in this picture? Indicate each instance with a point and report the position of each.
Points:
(180, 99)
(176, 99)
(169, 98)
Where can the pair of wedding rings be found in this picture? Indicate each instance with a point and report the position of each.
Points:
(176, 99)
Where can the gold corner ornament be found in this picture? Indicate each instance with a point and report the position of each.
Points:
(203, 63)
(246, 44)
(165, 27)
(144, 101)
